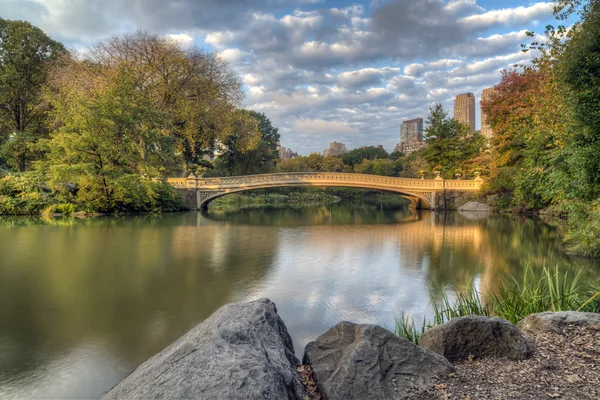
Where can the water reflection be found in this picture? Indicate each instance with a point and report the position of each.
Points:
(82, 302)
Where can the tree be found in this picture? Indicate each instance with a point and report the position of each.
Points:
(268, 133)
(581, 73)
(196, 92)
(383, 167)
(356, 156)
(26, 54)
(396, 155)
(259, 159)
(450, 144)
(313, 163)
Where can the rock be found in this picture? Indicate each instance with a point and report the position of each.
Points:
(353, 361)
(242, 351)
(475, 207)
(555, 321)
(476, 337)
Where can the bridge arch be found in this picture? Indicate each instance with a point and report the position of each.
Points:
(203, 199)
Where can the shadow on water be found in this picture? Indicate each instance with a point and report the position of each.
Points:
(83, 302)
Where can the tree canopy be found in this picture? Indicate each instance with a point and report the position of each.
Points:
(26, 55)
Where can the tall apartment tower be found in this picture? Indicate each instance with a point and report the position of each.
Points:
(335, 149)
(486, 129)
(411, 136)
(464, 109)
(411, 130)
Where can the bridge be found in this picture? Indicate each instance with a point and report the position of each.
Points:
(428, 193)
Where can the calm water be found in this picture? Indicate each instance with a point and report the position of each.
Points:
(83, 302)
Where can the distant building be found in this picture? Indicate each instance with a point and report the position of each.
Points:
(285, 153)
(486, 129)
(411, 130)
(464, 109)
(411, 136)
(335, 149)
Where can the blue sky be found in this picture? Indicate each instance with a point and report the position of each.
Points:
(324, 70)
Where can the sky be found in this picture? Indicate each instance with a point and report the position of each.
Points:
(324, 70)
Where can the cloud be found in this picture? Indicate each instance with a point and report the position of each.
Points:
(321, 126)
(508, 16)
(322, 73)
(183, 39)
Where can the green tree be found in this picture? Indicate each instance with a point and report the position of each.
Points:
(581, 73)
(26, 54)
(396, 155)
(356, 156)
(450, 144)
(259, 158)
(195, 92)
(383, 167)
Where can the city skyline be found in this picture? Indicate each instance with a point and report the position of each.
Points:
(327, 70)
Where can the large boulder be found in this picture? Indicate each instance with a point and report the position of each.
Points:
(555, 321)
(353, 361)
(476, 337)
(242, 351)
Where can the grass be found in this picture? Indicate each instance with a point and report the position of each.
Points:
(515, 300)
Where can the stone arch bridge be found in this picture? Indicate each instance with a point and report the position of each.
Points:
(427, 193)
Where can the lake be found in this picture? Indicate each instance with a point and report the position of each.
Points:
(85, 301)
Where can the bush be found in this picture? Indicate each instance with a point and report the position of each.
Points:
(583, 238)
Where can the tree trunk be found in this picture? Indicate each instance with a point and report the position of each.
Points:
(22, 163)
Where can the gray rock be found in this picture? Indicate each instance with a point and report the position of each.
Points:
(475, 207)
(242, 351)
(476, 337)
(353, 361)
(555, 321)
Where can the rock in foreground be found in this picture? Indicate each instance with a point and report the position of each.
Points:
(556, 321)
(242, 351)
(353, 361)
(476, 337)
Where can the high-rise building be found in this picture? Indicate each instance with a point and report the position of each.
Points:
(285, 153)
(411, 136)
(335, 149)
(464, 109)
(486, 129)
(411, 130)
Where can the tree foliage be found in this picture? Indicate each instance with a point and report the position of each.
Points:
(451, 146)
(356, 156)
(26, 54)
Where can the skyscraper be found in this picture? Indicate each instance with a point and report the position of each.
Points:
(464, 109)
(486, 129)
(411, 130)
(411, 136)
(335, 149)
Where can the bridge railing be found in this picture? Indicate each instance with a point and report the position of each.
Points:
(323, 178)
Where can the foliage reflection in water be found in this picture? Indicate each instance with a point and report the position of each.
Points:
(83, 302)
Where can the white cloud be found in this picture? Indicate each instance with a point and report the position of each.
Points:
(513, 16)
(185, 41)
(323, 127)
(354, 72)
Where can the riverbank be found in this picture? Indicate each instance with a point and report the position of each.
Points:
(550, 355)
(564, 366)
(27, 194)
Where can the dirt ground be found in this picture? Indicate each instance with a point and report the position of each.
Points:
(562, 367)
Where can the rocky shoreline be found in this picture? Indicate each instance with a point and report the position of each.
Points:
(243, 351)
